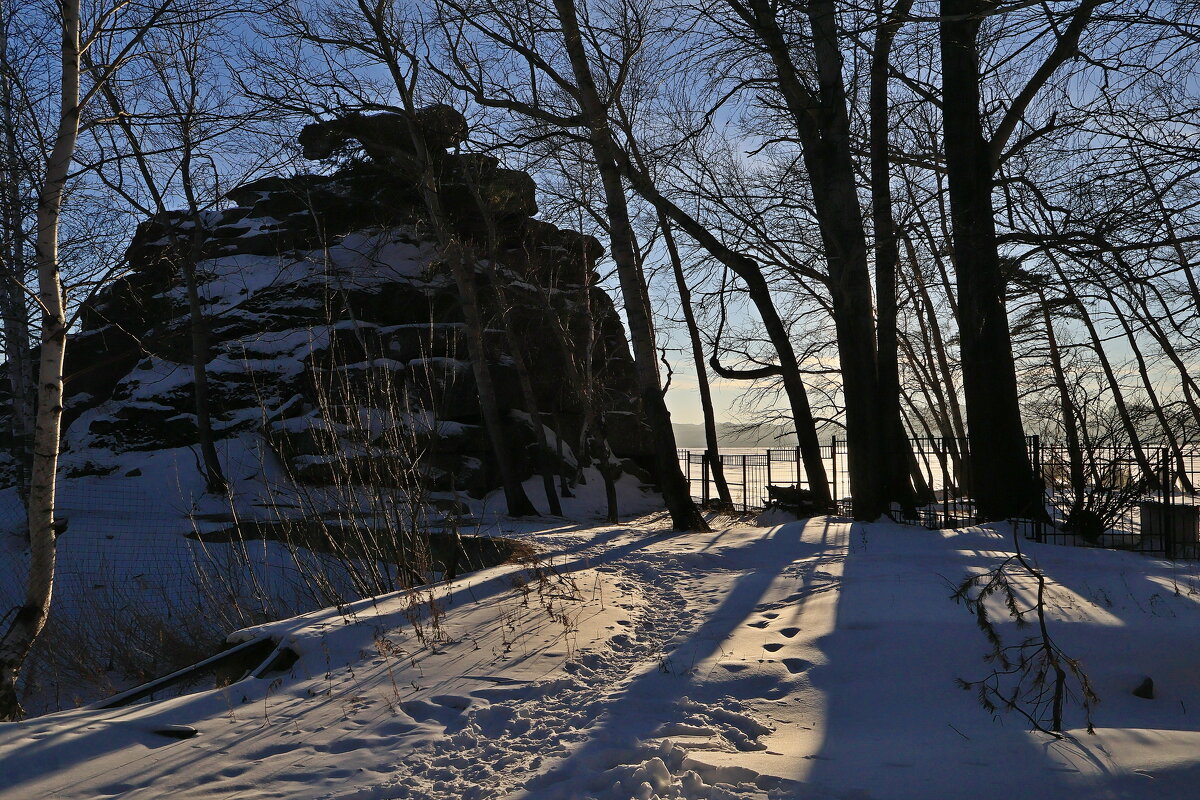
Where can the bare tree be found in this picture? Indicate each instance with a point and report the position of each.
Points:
(637, 303)
(573, 108)
(130, 25)
(185, 116)
(893, 442)
(1003, 485)
(16, 175)
(697, 345)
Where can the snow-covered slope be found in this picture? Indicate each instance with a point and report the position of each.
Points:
(812, 659)
(344, 408)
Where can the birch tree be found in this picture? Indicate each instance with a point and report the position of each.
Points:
(133, 23)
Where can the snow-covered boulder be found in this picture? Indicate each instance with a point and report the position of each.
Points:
(328, 312)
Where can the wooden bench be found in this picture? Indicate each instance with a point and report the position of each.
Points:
(801, 502)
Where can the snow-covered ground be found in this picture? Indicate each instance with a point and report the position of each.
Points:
(809, 659)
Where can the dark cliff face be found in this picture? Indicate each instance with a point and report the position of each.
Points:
(336, 334)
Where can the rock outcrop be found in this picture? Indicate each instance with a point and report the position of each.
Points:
(335, 332)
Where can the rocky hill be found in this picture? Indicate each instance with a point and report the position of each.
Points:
(336, 334)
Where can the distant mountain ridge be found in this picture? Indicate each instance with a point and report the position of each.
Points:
(690, 436)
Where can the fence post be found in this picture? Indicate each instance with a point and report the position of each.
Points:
(833, 472)
(1168, 480)
(768, 466)
(705, 463)
(1166, 518)
(1035, 459)
(745, 484)
(944, 460)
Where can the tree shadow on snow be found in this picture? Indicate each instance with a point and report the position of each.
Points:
(676, 695)
(896, 724)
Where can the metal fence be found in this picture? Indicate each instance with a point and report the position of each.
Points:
(748, 474)
(1142, 500)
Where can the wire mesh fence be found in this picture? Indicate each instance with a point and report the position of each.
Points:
(127, 550)
(141, 588)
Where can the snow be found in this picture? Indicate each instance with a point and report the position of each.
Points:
(153, 378)
(389, 253)
(228, 281)
(786, 659)
(552, 443)
(363, 260)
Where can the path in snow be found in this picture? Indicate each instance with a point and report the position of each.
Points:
(808, 660)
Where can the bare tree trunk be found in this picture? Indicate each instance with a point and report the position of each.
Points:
(823, 128)
(1069, 412)
(1110, 376)
(462, 265)
(999, 462)
(930, 324)
(564, 480)
(1148, 384)
(933, 239)
(1002, 478)
(684, 514)
(609, 467)
(461, 261)
(31, 616)
(515, 348)
(706, 404)
(214, 477)
(593, 439)
(759, 291)
(894, 448)
(1150, 323)
(577, 377)
(835, 193)
(1168, 223)
(459, 258)
(937, 384)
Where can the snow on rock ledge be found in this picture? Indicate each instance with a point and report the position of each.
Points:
(325, 300)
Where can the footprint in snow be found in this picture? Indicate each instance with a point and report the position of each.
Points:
(425, 711)
(772, 647)
(789, 632)
(343, 745)
(760, 624)
(452, 701)
(796, 665)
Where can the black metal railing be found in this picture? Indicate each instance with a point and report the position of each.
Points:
(1142, 500)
